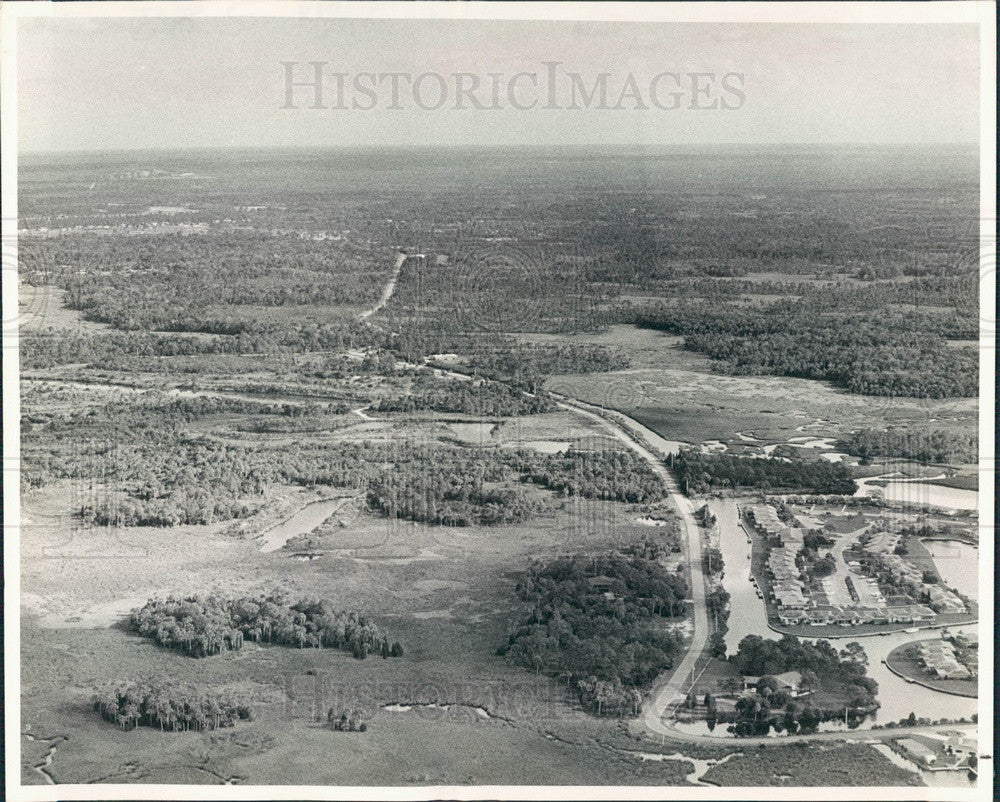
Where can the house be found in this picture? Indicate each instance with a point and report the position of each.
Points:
(943, 600)
(601, 582)
(940, 659)
(788, 682)
(918, 751)
(961, 746)
(966, 641)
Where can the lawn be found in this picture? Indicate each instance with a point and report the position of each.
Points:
(904, 661)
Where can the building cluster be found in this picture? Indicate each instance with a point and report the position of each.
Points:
(928, 750)
(942, 600)
(788, 590)
(840, 600)
(940, 660)
(961, 745)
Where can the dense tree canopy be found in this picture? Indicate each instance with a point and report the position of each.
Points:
(169, 706)
(934, 445)
(590, 623)
(205, 625)
(699, 473)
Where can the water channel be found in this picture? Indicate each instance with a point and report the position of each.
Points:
(302, 522)
(921, 493)
(958, 565)
(898, 697)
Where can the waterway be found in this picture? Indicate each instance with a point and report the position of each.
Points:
(958, 565)
(921, 493)
(747, 615)
(304, 521)
(898, 698)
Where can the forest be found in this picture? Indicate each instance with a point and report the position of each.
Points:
(590, 623)
(438, 495)
(169, 706)
(174, 282)
(700, 473)
(934, 445)
(484, 398)
(527, 365)
(152, 463)
(201, 626)
(874, 342)
(602, 474)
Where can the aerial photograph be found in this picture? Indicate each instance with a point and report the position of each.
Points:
(463, 402)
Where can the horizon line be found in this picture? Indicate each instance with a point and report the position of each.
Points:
(496, 146)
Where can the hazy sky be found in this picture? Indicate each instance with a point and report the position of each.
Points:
(132, 83)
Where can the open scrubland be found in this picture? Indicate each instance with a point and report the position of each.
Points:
(328, 375)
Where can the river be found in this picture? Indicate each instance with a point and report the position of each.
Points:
(305, 520)
(922, 493)
(898, 698)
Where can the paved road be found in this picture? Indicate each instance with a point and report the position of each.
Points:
(665, 691)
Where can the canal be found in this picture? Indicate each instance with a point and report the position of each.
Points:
(898, 698)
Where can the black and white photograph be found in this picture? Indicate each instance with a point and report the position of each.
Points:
(443, 400)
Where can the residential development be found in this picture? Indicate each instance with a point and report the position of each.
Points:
(847, 597)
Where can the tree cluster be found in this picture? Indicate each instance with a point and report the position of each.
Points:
(201, 626)
(863, 343)
(830, 670)
(937, 445)
(609, 475)
(589, 624)
(700, 473)
(169, 706)
(484, 398)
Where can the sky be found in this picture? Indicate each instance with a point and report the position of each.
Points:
(132, 83)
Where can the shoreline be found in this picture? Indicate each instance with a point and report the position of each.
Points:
(923, 682)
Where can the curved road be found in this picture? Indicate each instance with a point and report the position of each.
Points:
(643, 441)
(650, 446)
(670, 690)
(837, 735)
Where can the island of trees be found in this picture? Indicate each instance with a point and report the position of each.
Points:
(923, 446)
(169, 706)
(201, 626)
(701, 473)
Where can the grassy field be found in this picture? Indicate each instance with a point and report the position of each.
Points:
(791, 766)
(445, 593)
(676, 394)
(285, 745)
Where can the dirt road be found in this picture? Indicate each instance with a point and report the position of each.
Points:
(390, 287)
